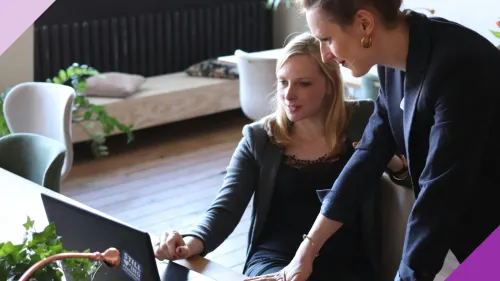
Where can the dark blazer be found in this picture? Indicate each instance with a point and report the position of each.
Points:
(252, 172)
(448, 128)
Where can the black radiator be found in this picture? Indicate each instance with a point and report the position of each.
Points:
(148, 39)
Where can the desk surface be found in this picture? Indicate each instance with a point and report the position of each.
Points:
(20, 198)
(349, 80)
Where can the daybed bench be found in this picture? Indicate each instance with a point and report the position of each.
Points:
(168, 98)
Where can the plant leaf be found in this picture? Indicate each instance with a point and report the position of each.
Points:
(78, 70)
(76, 75)
(62, 75)
(496, 33)
(29, 224)
(269, 4)
(16, 259)
(70, 72)
(56, 80)
(87, 115)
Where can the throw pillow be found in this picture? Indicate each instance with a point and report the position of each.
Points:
(113, 85)
(211, 68)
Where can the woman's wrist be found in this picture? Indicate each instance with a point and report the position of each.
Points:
(194, 244)
(307, 251)
(322, 229)
(398, 164)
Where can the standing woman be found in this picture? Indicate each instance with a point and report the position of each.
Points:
(286, 161)
(438, 105)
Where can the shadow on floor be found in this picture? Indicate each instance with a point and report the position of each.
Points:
(150, 136)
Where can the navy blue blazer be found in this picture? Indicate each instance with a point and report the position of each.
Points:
(448, 126)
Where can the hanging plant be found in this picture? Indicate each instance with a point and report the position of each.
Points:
(274, 4)
(4, 129)
(84, 112)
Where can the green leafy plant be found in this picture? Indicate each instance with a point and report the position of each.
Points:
(4, 129)
(17, 259)
(85, 114)
(274, 4)
(496, 33)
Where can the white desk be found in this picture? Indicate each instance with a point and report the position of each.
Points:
(349, 80)
(21, 198)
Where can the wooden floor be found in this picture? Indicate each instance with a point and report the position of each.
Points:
(167, 178)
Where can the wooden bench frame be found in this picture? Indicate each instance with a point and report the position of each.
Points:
(165, 99)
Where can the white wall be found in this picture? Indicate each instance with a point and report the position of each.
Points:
(17, 62)
(478, 15)
(286, 22)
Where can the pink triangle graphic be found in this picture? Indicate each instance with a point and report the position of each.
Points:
(483, 264)
(16, 16)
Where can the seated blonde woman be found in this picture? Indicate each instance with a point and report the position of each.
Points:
(285, 160)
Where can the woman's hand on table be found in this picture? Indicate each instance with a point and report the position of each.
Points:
(172, 246)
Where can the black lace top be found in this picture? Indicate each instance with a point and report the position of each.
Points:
(294, 208)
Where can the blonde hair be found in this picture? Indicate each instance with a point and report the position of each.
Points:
(336, 116)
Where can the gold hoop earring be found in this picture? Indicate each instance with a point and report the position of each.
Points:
(366, 43)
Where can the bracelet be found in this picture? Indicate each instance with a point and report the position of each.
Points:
(304, 237)
(404, 171)
(398, 175)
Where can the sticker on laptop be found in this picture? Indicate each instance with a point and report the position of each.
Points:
(131, 267)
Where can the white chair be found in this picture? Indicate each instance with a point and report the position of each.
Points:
(45, 109)
(257, 80)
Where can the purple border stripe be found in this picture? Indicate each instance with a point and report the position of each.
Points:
(483, 264)
(16, 16)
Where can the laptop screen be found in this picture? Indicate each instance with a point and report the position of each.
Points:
(82, 228)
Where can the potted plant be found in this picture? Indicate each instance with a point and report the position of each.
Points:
(16, 259)
(274, 4)
(496, 33)
(84, 112)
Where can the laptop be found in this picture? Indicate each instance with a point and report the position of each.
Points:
(81, 229)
